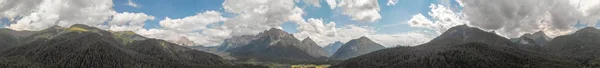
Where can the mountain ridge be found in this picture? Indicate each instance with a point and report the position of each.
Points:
(459, 47)
(356, 47)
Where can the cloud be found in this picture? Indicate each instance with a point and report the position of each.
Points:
(192, 23)
(190, 27)
(41, 14)
(132, 4)
(326, 33)
(403, 39)
(319, 32)
(254, 16)
(360, 10)
(512, 18)
(127, 21)
(442, 19)
(13, 8)
(391, 2)
(590, 10)
(332, 3)
(315, 3)
(350, 32)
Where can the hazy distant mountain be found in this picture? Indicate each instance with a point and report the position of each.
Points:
(10, 38)
(333, 47)
(81, 46)
(538, 38)
(184, 41)
(356, 47)
(583, 46)
(275, 45)
(236, 41)
(459, 47)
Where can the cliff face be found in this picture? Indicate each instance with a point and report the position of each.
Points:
(276, 45)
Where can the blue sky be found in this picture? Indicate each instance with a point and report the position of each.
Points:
(393, 18)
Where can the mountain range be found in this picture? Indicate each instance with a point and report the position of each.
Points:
(460, 47)
(81, 46)
(276, 45)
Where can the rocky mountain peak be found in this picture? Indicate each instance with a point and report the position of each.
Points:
(274, 32)
(307, 39)
(184, 41)
(539, 33)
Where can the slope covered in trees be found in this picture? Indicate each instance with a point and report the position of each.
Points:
(81, 46)
(582, 46)
(460, 47)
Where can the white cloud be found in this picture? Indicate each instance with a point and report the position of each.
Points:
(360, 10)
(127, 21)
(324, 34)
(512, 18)
(350, 32)
(189, 27)
(315, 3)
(420, 21)
(443, 19)
(41, 14)
(590, 10)
(254, 16)
(392, 2)
(13, 8)
(319, 32)
(404, 39)
(192, 23)
(332, 3)
(133, 4)
(127, 18)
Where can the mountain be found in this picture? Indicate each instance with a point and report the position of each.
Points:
(10, 38)
(538, 38)
(236, 41)
(583, 46)
(81, 46)
(275, 45)
(312, 48)
(127, 37)
(356, 47)
(184, 41)
(331, 48)
(459, 47)
(463, 34)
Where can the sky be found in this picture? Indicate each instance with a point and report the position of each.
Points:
(388, 22)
